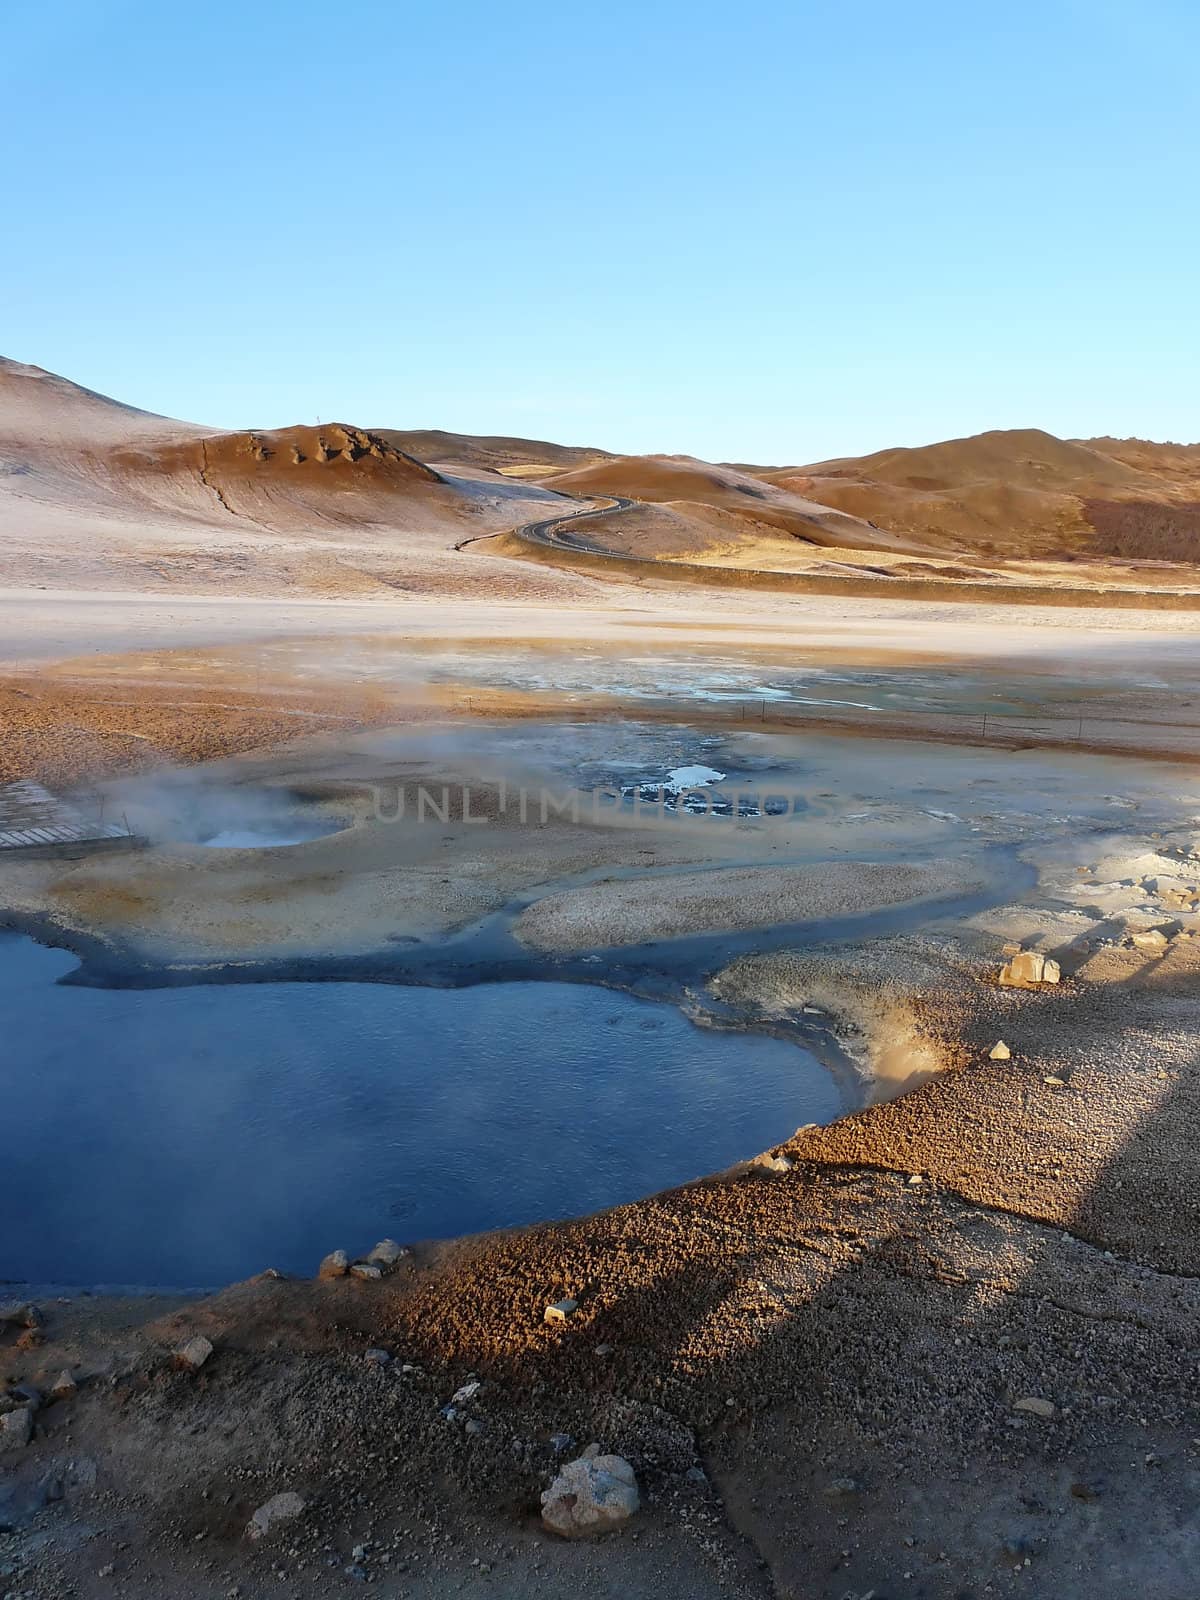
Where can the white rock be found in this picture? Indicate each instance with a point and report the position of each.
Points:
(770, 1163)
(999, 1052)
(64, 1386)
(279, 1508)
(1051, 971)
(1153, 939)
(335, 1265)
(366, 1270)
(591, 1495)
(460, 1397)
(193, 1353)
(386, 1253)
(1036, 1407)
(560, 1310)
(16, 1428)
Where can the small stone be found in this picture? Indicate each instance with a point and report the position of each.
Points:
(193, 1353)
(335, 1265)
(1036, 1407)
(999, 1052)
(377, 1358)
(64, 1387)
(16, 1429)
(474, 1425)
(359, 1553)
(107, 1570)
(560, 1442)
(462, 1396)
(367, 1271)
(769, 1163)
(560, 1310)
(590, 1495)
(914, 1179)
(386, 1253)
(603, 1350)
(842, 1486)
(279, 1508)
(1152, 939)
(1055, 1083)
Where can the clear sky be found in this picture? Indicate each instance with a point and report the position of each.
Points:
(763, 231)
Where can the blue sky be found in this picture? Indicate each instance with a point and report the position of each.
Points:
(769, 232)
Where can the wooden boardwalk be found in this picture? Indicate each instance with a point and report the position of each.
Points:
(35, 822)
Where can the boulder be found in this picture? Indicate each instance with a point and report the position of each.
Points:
(16, 1428)
(769, 1163)
(1022, 969)
(1152, 939)
(193, 1353)
(1028, 968)
(335, 1265)
(367, 1270)
(560, 1310)
(279, 1508)
(386, 1253)
(64, 1387)
(1034, 1406)
(591, 1495)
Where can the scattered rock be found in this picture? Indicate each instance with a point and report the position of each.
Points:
(842, 1486)
(16, 1429)
(999, 1052)
(560, 1310)
(377, 1358)
(467, 1393)
(1055, 1083)
(770, 1163)
(591, 1495)
(1152, 939)
(560, 1442)
(335, 1265)
(915, 1179)
(279, 1508)
(64, 1387)
(386, 1253)
(367, 1270)
(1035, 1406)
(1028, 968)
(192, 1355)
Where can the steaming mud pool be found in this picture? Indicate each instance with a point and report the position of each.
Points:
(191, 1136)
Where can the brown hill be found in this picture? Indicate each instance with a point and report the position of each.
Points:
(492, 452)
(96, 492)
(747, 507)
(1021, 493)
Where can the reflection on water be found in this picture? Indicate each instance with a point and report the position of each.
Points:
(192, 1136)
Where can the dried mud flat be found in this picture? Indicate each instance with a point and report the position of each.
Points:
(821, 1370)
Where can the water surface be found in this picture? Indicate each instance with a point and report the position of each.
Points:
(190, 1136)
